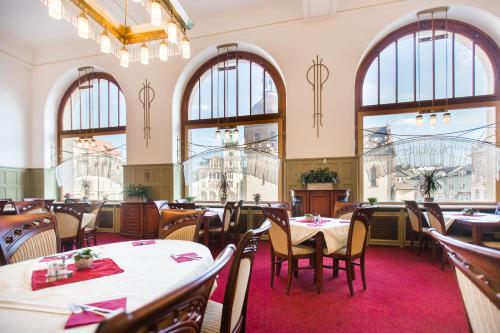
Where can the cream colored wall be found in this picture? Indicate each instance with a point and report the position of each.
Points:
(341, 41)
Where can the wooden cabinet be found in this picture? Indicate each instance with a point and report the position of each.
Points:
(139, 219)
(317, 201)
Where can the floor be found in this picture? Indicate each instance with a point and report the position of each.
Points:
(405, 294)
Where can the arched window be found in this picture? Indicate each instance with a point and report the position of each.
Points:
(91, 138)
(441, 78)
(239, 90)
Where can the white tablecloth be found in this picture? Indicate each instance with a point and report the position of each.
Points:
(334, 231)
(149, 273)
(450, 217)
(218, 211)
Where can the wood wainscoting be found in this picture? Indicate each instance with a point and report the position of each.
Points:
(165, 180)
(18, 183)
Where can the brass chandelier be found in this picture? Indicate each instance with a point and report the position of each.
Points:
(158, 39)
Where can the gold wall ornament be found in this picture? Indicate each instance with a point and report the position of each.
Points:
(317, 75)
(146, 97)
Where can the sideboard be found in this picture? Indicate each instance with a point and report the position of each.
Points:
(139, 219)
(317, 201)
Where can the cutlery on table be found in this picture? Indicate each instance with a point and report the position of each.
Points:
(79, 308)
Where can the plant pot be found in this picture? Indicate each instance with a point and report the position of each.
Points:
(257, 202)
(84, 263)
(372, 202)
(319, 186)
(223, 200)
(428, 199)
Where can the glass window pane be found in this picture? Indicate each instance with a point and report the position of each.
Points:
(424, 66)
(104, 103)
(113, 105)
(406, 72)
(484, 80)
(231, 93)
(85, 102)
(95, 104)
(123, 110)
(194, 102)
(271, 95)
(243, 87)
(443, 82)
(370, 85)
(75, 98)
(257, 89)
(388, 74)
(206, 95)
(463, 66)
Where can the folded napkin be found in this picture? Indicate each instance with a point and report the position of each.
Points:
(183, 257)
(86, 318)
(100, 268)
(304, 220)
(65, 256)
(143, 242)
(345, 221)
(464, 215)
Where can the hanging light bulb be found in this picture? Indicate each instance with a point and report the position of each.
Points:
(163, 52)
(105, 42)
(144, 54)
(124, 56)
(419, 120)
(156, 13)
(83, 26)
(446, 117)
(236, 134)
(172, 32)
(55, 9)
(227, 135)
(217, 135)
(185, 48)
(433, 119)
(136, 1)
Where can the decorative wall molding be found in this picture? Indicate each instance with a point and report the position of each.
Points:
(18, 183)
(165, 180)
(347, 169)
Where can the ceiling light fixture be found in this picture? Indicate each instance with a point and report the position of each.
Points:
(172, 32)
(124, 57)
(144, 54)
(163, 52)
(185, 48)
(55, 9)
(156, 13)
(105, 43)
(83, 26)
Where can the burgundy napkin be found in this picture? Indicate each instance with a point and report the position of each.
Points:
(86, 318)
(100, 268)
(183, 257)
(304, 220)
(57, 257)
(143, 242)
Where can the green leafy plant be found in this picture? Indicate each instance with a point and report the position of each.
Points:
(223, 186)
(137, 190)
(428, 183)
(321, 175)
(84, 254)
(190, 198)
(86, 187)
(372, 200)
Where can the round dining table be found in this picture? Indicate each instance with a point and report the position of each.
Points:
(149, 271)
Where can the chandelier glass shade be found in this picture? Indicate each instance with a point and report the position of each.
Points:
(147, 40)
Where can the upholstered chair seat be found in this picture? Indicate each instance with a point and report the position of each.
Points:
(180, 224)
(302, 250)
(212, 318)
(494, 245)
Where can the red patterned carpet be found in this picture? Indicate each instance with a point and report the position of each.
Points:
(405, 294)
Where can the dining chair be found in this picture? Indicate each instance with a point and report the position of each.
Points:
(478, 278)
(436, 221)
(90, 230)
(416, 224)
(69, 223)
(343, 210)
(231, 315)
(282, 248)
(355, 248)
(182, 205)
(3, 203)
(222, 230)
(29, 207)
(25, 237)
(235, 218)
(183, 227)
(180, 310)
(182, 200)
(161, 204)
(282, 204)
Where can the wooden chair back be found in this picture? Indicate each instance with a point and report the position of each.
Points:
(279, 232)
(358, 231)
(414, 214)
(236, 208)
(435, 216)
(227, 215)
(478, 276)
(3, 202)
(29, 207)
(69, 219)
(238, 283)
(94, 208)
(28, 236)
(343, 210)
(181, 310)
(183, 227)
(181, 205)
(282, 204)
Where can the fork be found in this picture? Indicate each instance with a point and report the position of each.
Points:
(76, 308)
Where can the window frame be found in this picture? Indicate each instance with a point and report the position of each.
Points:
(476, 35)
(264, 118)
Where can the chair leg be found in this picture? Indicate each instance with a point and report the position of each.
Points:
(362, 267)
(348, 271)
(296, 268)
(443, 258)
(289, 276)
(433, 253)
(273, 268)
(353, 272)
(420, 243)
(412, 235)
(95, 236)
(278, 271)
(335, 272)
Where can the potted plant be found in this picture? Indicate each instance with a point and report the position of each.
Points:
(428, 184)
(319, 179)
(190, 198)
(137, 192)
(223, 188)
(84, 259)
(372, 201)
(256, 198)
(67, 197)
(86, 187)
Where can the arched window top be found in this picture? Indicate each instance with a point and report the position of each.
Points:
(253, 87)
(100, 108)
(408, 66)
